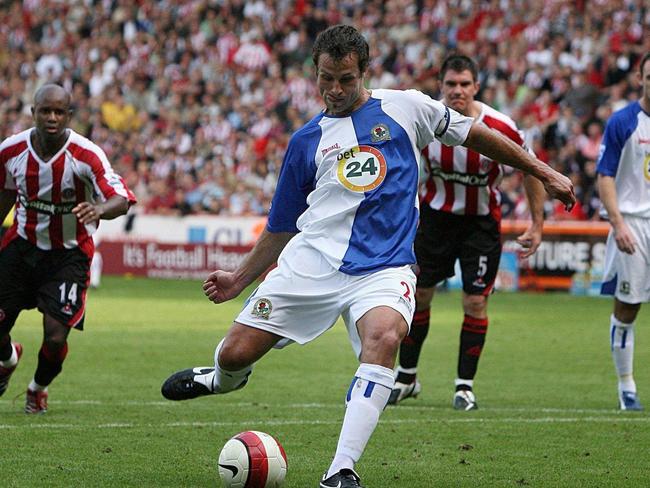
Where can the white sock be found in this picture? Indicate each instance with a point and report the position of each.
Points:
(36, 387)
(96, 266)
(13, 359)
(622, 344)
(399, 369)
(460, 381)
(366, 399)
(222, 381)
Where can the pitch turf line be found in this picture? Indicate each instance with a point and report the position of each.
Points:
(130, 425)
(336, 405)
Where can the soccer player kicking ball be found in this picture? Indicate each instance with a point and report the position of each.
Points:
(461, 201)
(61, 184)
(341, 227)
(624, 187)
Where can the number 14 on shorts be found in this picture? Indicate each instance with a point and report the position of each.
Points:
(68, 293)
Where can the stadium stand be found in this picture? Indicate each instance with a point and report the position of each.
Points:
(194, 101)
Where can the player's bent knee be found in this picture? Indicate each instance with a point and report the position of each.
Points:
(56, 342)
(228, 375)
(243, 346)
(626, 312)
(475, 305)
(233, 357)
(233, 354)
(383, 342)
(393, 341)
(7, 321)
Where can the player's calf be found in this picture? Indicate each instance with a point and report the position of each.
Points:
(8, 366)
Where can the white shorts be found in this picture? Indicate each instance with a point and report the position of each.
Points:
(304, 296)
(627, 276)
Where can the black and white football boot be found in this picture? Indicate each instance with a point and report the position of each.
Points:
(464, 400)
(346, 478)
(402, 391)
(188, 384)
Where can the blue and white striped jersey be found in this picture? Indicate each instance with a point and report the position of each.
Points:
(625, 156)
(349, 184)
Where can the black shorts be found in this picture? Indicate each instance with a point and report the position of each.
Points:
(443, 237)
(55, 281)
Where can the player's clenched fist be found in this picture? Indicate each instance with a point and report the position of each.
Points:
(221, 286)
(559, 186)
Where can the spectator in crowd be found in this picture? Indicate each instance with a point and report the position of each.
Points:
(117, 114)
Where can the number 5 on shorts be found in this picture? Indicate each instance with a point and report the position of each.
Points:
(482, 266)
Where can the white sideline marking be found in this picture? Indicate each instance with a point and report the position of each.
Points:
(541, 420)
(335, 405)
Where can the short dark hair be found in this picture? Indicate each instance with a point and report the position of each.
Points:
(644, 60)
(51, 88)
(459, 62)
(340, 40)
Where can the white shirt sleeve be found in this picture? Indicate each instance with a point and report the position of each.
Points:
(435, 120)
(454, 127)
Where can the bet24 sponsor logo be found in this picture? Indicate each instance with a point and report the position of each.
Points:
(361, 169)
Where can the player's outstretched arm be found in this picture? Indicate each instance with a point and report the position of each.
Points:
(490, 143)
(221, 286)
(7, 200)
(532, 237)
(625, 240)
(113, 207)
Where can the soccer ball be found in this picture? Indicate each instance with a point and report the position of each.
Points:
(252, 459)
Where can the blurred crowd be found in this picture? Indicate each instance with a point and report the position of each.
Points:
(194, 100)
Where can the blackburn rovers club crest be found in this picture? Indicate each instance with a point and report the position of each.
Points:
(262, 308)
(380, 132)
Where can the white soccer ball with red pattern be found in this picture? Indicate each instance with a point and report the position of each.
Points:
(252, 459)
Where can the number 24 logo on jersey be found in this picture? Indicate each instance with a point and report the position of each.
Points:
(361, 169)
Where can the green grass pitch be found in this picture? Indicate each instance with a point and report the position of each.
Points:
(546, 390)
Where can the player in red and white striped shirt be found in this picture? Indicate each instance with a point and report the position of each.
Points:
(61, 184)
(460, 218)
